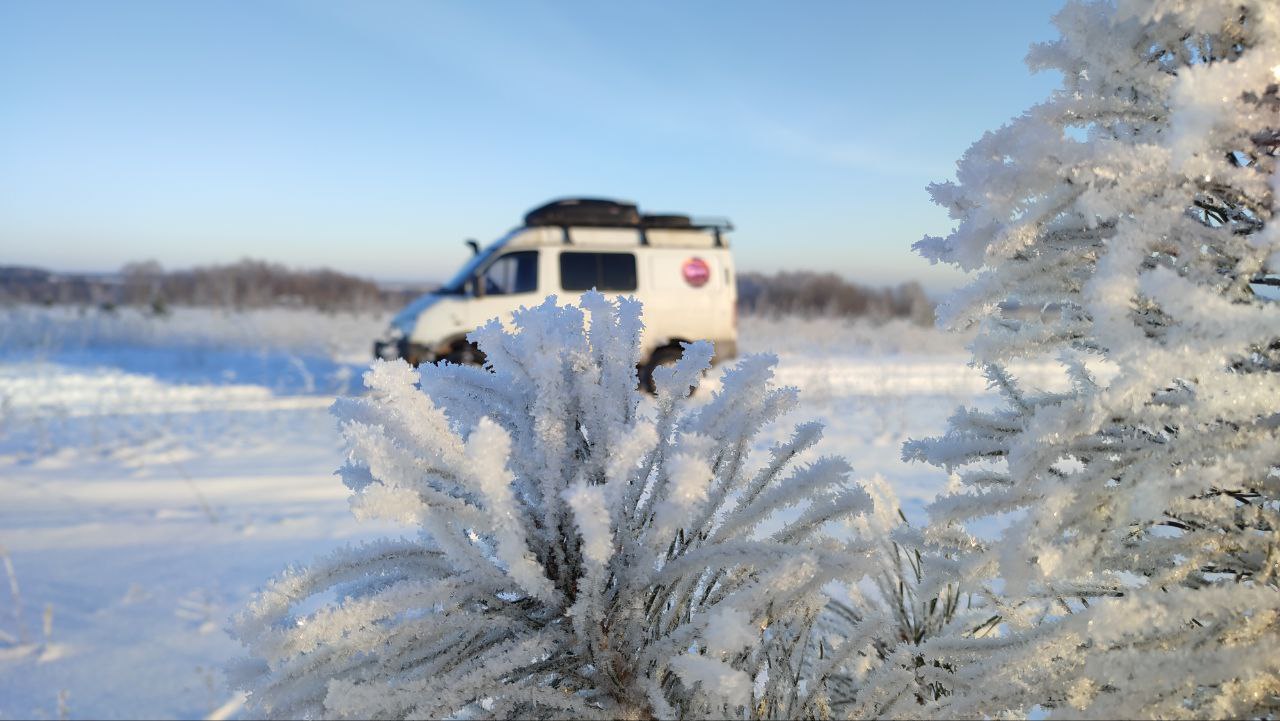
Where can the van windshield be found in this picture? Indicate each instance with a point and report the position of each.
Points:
(458, 283)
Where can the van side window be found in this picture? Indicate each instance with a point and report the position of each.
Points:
(606, 272)
(512, 273)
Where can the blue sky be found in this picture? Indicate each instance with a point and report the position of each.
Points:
(373, 137)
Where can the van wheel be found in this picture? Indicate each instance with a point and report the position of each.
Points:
(465, 353)
(664, 356)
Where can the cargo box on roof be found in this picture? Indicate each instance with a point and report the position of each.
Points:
(584, 211)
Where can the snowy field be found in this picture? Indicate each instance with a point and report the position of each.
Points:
(155, 471)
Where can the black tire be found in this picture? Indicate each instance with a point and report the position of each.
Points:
(465, 353)
(664, 356)
(414, 354)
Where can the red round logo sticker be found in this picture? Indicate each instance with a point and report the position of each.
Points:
(696, 272)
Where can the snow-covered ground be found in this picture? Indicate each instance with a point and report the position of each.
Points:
(155, 471)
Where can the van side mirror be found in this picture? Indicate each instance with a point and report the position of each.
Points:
(473, 245)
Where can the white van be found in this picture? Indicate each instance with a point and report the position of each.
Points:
(678, 267)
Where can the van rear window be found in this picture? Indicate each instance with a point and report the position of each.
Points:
(606, 272)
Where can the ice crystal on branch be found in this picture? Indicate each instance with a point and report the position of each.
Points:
(579, 556)
(1127, 226)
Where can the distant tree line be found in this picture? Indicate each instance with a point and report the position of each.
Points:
(242, 285)
(810, 294)
(258, 284)
(34, 285)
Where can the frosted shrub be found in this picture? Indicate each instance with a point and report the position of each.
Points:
(578, 557)
(1123, 535)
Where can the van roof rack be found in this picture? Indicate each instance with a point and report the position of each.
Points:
(607, 213)
(712, 222)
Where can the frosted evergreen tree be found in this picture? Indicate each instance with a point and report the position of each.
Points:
(579, 556)
(1125, 226)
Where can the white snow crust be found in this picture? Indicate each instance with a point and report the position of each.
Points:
(154, 474)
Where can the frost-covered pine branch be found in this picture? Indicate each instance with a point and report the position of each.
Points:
(579, 556)
(874, 665)
(1126, 226)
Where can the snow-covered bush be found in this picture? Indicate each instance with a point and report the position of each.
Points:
(1125, 535)
(578, 556)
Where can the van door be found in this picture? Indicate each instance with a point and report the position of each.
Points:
(685, 295)
(507, 282)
